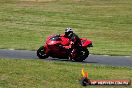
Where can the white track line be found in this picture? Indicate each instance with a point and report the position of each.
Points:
(11, 49)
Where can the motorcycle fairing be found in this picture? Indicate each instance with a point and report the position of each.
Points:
(86, 42)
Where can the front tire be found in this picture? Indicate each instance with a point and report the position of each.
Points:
(41, 54)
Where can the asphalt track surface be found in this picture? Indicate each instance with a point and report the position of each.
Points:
(125, 61)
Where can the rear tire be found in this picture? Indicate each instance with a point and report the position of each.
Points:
(83, 55)
(41, 54)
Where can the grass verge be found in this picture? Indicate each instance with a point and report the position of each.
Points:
(24, 24)
(49, 74)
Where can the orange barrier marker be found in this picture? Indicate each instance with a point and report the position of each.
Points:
(86, 81)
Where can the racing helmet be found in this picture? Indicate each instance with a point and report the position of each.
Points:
(68, 31)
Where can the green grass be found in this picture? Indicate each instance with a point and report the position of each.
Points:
(49, 74)
(24, 24)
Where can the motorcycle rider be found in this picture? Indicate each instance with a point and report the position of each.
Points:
(74, 40)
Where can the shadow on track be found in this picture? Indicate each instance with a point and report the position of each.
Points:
(66, 60)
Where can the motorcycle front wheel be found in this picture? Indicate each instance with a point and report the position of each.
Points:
(41, 54)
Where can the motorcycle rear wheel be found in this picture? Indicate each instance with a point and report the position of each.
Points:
(41, 54)
(84, 54)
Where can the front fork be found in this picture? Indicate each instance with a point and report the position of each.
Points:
(46, 50)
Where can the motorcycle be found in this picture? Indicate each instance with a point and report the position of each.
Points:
(53, 47)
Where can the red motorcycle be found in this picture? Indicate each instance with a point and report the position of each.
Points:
(53, 47)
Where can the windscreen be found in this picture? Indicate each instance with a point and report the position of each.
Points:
(55, 38)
